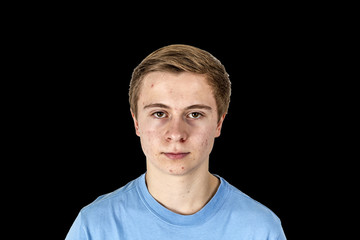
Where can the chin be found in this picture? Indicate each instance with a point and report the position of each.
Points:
(176, 172)
(180, 170)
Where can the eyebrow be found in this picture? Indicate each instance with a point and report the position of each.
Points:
(195, 106)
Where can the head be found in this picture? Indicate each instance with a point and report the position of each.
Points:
(179, 96)
(179, 58)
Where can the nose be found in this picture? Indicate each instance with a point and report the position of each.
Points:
(176, 131)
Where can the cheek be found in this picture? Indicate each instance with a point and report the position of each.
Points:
(205, 143)
(205, 134)
(149, 140)
(154, 129)
(205, 140)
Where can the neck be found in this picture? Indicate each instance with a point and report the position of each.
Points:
(182, 194)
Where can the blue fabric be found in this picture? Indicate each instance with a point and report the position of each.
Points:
(132, 213)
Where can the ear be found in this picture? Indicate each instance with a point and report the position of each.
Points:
(219, 125)
(136, 123)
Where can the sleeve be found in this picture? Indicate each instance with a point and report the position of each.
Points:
(77, 230)
(281, 234)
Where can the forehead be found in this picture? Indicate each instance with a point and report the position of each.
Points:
(176, 90)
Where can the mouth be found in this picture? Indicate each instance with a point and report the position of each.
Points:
(175, 156)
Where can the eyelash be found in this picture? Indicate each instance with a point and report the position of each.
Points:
(155, 114)
(200, 115)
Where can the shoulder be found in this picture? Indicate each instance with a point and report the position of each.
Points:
(107, 202)
(250, 211)
(97, 218)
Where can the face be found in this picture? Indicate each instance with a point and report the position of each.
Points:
(177, 122)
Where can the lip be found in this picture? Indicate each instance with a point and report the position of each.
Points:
(176, 156)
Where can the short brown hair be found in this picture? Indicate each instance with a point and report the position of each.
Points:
(179, 58)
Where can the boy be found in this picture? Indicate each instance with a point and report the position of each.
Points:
(179, 96)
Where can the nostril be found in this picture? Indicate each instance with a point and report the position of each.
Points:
(176, 131)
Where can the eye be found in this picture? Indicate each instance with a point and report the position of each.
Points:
(195, 115)
(159, 114)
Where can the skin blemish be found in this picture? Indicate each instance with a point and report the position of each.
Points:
(152, 85)
(182, 167)
(205, 143)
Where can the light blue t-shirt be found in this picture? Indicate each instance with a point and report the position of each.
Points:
(131, 213)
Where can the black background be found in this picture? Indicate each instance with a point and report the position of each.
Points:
(79, 129)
